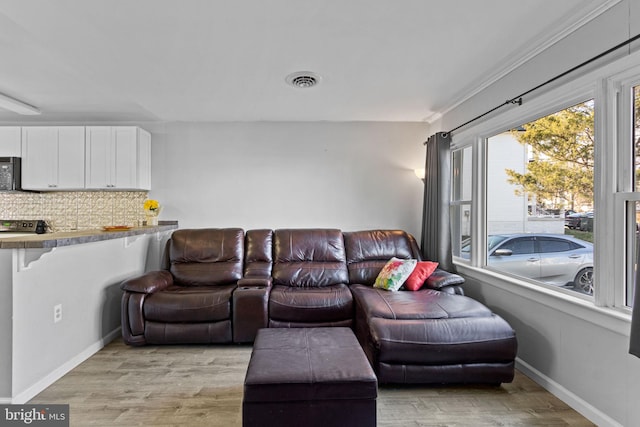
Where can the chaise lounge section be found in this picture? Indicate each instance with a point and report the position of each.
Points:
(295, 278)
(426, 336)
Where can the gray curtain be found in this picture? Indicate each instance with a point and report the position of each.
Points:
(436, 229)
(634, 342)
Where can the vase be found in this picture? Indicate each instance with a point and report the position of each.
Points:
(152, 218)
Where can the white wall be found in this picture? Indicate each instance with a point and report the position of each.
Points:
(351, 175)
(6, 335)
(584, 362)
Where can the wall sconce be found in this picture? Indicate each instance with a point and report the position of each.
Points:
(419, 173)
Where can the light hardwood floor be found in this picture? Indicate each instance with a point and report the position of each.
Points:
(202, 386)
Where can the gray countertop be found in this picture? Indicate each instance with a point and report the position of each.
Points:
(52, 240)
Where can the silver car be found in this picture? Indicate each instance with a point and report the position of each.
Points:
(555, 259)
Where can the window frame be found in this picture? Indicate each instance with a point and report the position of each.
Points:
(621, 99)
(610, 86)
(613, 121)
(613, 162)
(456, 201)
(478, 138)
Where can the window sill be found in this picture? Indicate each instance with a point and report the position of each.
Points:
(610, 318)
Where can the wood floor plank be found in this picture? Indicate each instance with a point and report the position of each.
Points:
(202, 386)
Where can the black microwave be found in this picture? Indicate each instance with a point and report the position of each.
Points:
(10, 173)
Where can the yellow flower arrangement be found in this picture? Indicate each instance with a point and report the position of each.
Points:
(151, 210)
(151, 205)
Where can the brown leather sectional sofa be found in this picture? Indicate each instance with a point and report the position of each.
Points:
(222, 285)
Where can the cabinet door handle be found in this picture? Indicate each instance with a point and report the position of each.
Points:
(52, 185)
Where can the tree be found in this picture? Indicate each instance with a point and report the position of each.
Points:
(560, 171)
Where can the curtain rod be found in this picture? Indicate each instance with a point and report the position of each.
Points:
(518, 99)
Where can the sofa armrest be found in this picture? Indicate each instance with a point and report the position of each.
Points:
(453, 290)
(255, 281)
(148, 283)
(441, 278)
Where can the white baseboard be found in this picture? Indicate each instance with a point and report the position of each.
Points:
(580, 405)
(59, 372)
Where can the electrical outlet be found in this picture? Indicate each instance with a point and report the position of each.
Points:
(57, 313)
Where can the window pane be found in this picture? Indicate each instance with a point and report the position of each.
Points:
(462, 174)
(461, 202)
(636, 135)
(633, 208)
(461, 225)
(633, 240)
(540, 185)
(555, 245)
(519, 246)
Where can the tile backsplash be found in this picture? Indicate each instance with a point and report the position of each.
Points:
(66, 211)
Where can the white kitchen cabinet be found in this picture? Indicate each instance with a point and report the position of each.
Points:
(144, 160)
(53, 158)
(10, 141)
(117, 157)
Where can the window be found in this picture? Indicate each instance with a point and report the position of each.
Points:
(548, 244)
(633, 207)
(632, 231)
(539, 202)
(461, 202)
(635, 131)
(518, 246)
(548, 179)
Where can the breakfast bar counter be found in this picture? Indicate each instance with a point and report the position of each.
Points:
(60, 299)
(67, 238)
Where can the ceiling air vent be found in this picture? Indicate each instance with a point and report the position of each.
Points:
(303, 79)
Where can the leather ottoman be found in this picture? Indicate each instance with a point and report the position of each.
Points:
(311, 377)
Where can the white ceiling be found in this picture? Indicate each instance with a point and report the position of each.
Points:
(214, 60)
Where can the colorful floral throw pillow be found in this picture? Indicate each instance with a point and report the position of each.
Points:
(394, 274)
(423, 270)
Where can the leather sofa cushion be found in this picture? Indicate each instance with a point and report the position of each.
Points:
(368, 251)
(190, 304)
(313, 305)
(309, 257)
(206, 256)
(471, 340)
(258, 259)
(422, 304)
(308, 364)
(188, 333)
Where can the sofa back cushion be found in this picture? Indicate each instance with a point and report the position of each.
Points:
(208, 256)
(368, 251)
(258, 258)
(309, 257)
